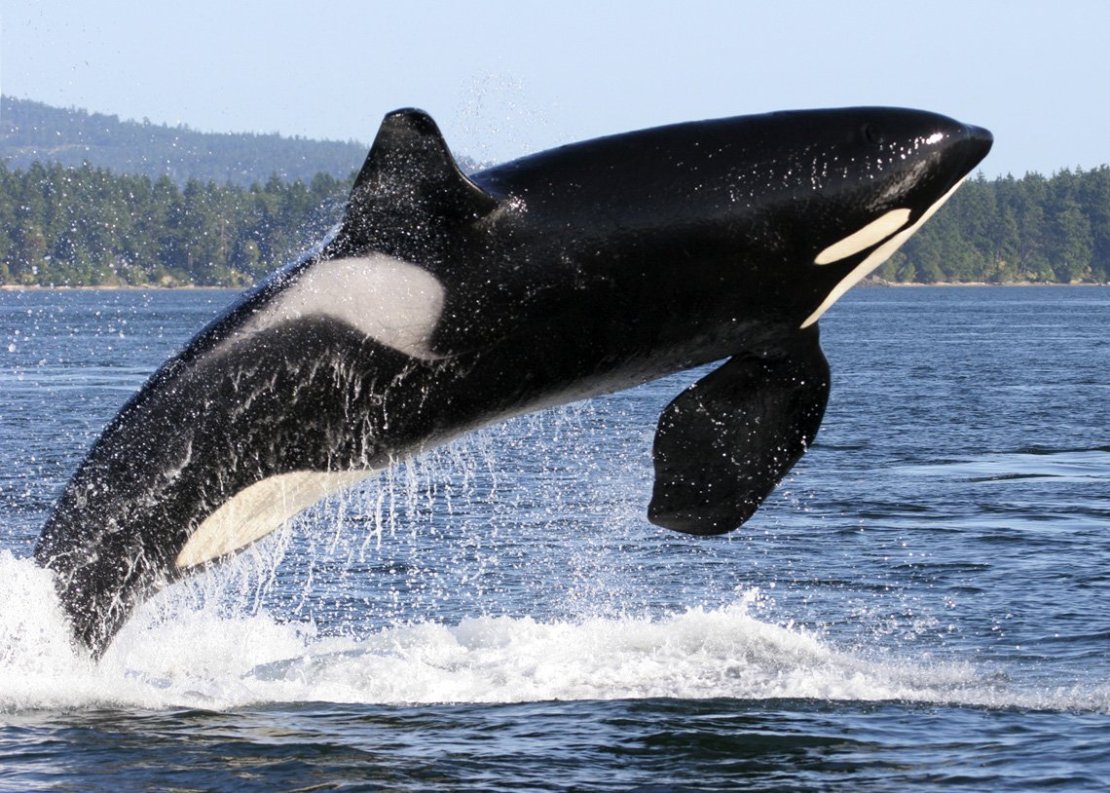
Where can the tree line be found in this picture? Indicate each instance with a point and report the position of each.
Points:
(1031, 230)
(90, 226)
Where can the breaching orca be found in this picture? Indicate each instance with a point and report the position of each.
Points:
(444, 302)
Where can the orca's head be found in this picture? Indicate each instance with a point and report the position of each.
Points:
(875, 176)
(784, 211)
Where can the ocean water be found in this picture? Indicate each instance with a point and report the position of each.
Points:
(924, 604)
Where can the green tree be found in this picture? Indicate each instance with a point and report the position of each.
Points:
(1070, 240)
(86, 225)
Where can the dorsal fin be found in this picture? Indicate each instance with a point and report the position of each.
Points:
(410, 177)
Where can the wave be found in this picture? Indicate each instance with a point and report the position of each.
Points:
(212, 660)
(1074, 465)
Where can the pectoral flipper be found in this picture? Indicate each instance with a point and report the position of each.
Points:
(724, 443)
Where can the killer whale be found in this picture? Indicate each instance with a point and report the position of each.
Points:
(444, 302)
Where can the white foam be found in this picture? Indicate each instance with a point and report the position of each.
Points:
(211, 659)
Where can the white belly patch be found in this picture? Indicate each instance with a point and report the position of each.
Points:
(876, 257)
(391, 301)
(259, 509)
(874, 232)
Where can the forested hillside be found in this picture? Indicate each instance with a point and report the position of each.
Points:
(34, 132)
(90, 226)
(87, 226)
(1034, 229)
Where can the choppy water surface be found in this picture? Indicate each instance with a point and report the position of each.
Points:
(924, 604)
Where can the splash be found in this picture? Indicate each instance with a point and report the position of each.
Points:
(208, 658)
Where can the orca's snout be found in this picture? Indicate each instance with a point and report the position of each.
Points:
(977, 141)
(980, 134)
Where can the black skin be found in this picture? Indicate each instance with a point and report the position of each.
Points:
(577, 271)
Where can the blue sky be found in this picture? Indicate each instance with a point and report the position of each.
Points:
(506, 78)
